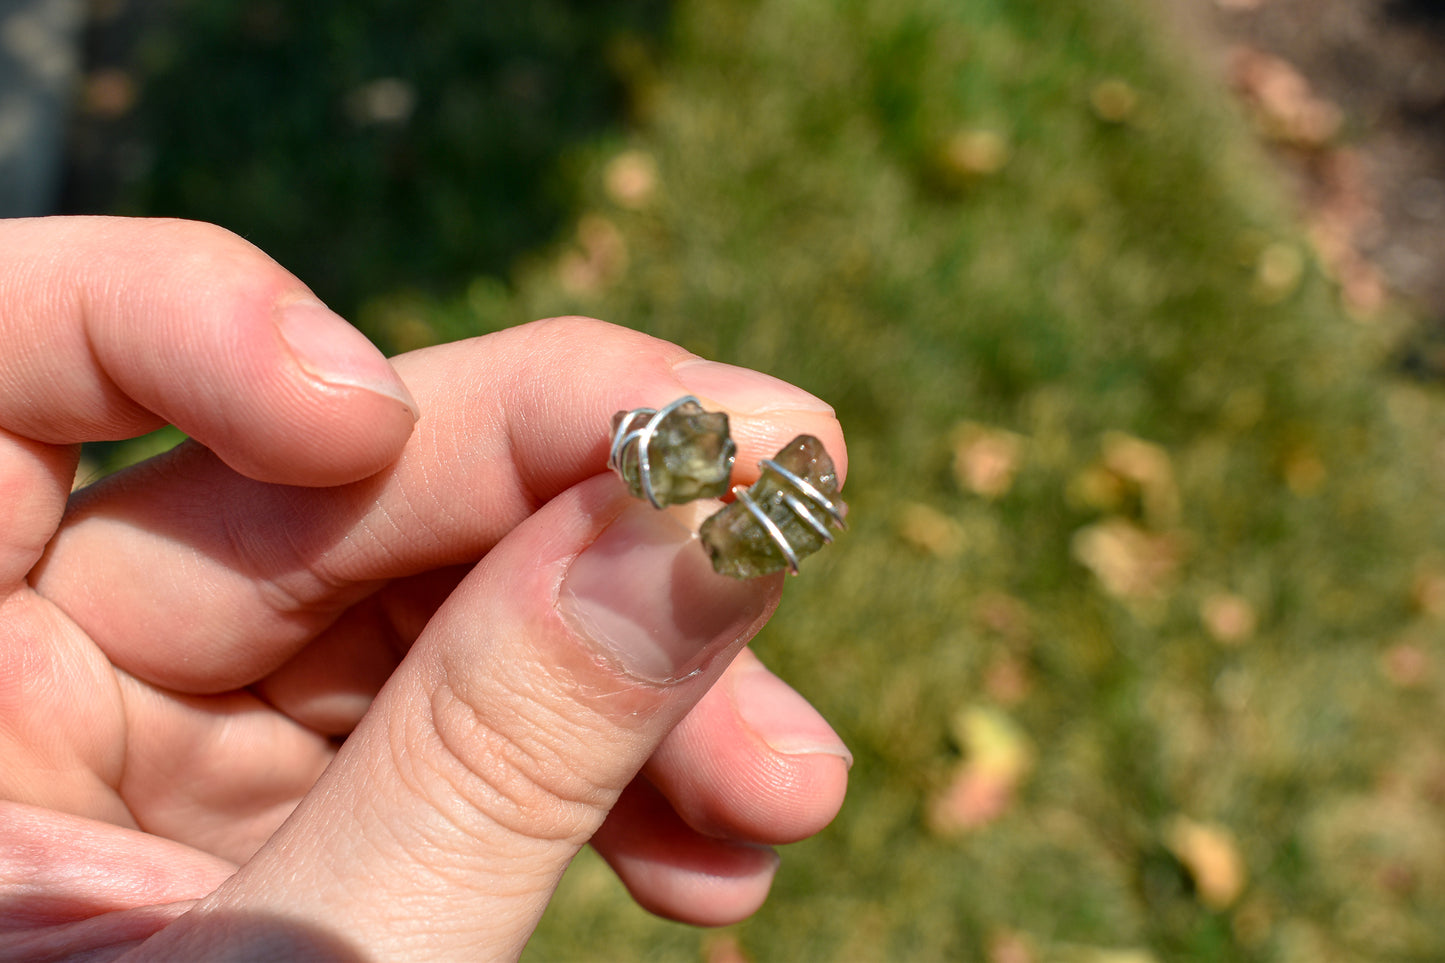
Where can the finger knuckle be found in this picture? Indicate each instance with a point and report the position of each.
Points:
(508, 764)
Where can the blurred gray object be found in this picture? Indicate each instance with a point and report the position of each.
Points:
(39, 59)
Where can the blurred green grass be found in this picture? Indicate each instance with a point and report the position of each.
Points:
(1143, 560)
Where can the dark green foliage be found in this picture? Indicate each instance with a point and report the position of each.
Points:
(264, 117)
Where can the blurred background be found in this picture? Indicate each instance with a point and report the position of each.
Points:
(1131, 312)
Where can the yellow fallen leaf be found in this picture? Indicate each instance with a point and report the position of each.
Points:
(926, 528)
(993, 742)
(1007, 680)
(1114, 101)
(1284, 106)
(1229, 618)
(1210, 854)
(1428, 592)
(1407, 665)
(1278, 271)
(997, 757)
(985, 460)
(630, 179)
(1129, 562)
(1149, 469)
(598, 260)
(970, 154)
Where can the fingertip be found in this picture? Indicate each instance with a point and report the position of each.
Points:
(746, 390)
(753, 761)
(779, 715)
(117, 325)
(336, 354)
(331, 407)
(765, 411)
(675, 872)
(727, 883)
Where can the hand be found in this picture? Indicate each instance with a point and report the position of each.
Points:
(184, 647)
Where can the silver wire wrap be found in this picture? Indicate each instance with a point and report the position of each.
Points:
(626, 435)
(802, 510)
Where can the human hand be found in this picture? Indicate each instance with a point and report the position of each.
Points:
(184, 647)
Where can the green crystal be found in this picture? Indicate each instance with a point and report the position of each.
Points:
(742, 546)
(690, 455)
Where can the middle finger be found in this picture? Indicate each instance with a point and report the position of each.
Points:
(195, 578)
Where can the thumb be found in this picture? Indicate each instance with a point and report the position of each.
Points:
(494, 753)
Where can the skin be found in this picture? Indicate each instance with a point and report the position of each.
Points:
(326, 680)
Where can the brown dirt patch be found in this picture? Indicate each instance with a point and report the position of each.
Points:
(1352, 94)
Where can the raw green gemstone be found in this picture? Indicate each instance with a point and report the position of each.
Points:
(689, 454)
(742, 545)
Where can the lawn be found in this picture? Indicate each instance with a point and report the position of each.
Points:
(1136, 631)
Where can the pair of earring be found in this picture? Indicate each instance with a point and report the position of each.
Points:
(678, 453)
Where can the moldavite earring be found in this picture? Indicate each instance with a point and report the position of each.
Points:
(679, 453)
(783, 518)
(674, 454)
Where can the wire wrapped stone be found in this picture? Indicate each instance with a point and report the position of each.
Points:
(674, 454)
(787, 515)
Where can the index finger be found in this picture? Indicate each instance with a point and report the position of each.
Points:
(111, 327)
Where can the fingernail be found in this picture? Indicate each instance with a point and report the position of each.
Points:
(744, 390)
(333, 351)
(645, 594)
(778, 715)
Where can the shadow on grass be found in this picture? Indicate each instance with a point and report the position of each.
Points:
(384, 146)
